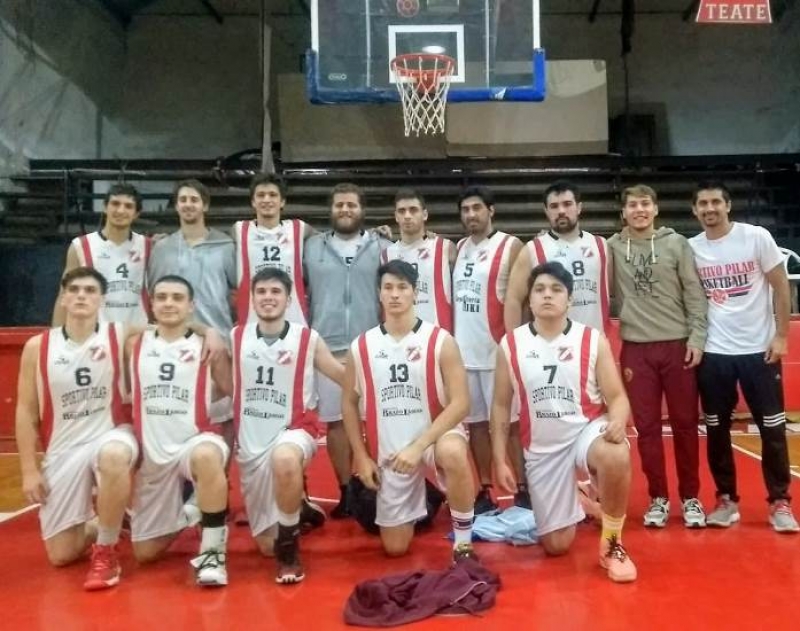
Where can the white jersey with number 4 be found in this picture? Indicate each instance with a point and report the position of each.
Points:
(280, 247)
(430, 256)
(555, 384)
(273, 385)
(586, 258)
(400, 383)
(171, 393)
(124, 268)
(79, 387)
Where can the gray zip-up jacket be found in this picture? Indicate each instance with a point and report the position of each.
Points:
(343, 300)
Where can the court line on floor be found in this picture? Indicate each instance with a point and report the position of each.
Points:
(753, 454)
(9, 516)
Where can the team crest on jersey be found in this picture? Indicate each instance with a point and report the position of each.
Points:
(284, 358)
(565, 353)
(97, 353)
(719, 296)
(482, 255)
(186, 355)
(587, 252)
(413, 353)
(134, 256)
(423, 254)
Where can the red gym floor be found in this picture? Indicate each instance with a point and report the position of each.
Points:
(745, 577)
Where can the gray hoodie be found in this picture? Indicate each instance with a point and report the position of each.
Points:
(656, 289)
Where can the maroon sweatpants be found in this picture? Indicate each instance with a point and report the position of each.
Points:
(650, 370)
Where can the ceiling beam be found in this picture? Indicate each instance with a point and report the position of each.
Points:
(594, 10)
(691, 10)
(123, 18)
(212, 11)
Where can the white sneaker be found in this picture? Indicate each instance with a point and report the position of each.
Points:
(725, 513)
(210, 569)
(658, 513)
(693, 514)
(190, 513)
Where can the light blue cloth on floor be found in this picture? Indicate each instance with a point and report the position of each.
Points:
(514, 525)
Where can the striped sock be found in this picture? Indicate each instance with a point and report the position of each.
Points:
(462, 526)
(612, 527)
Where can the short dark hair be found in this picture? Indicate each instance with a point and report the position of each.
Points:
(197, 185)
(174, 278)
(84, 272)
(260, 179)
(123, 188)
(409, 193)
(711, 185)
(347, 187)
(562, 186)
(401, 269)
(486, 195)
(554, 269)
(272, 273)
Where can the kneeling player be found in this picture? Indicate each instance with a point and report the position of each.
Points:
(171, 392)
(406, 379)
(573, 412)
(274, 362)
(70, 394)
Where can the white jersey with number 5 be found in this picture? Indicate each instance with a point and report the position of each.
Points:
(79, 386)
(400, 383)
(280, 247)
(171, 393)
(586, 259)
(124, 268)
(273, 385)
(555, 384)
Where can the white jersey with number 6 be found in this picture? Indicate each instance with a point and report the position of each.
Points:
(555, 384)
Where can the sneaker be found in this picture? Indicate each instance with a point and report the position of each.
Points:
(104, 569)
(311, 516)
(615, 560)
(693, 514)
(725, 513)
(781, 517)
(210, 570)
(462, 552)
(658, 513)
(522, 499)
(190, 513)
(341, 510)
(290, 570)
(484, 502)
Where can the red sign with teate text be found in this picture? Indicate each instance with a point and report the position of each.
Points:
(734, 12)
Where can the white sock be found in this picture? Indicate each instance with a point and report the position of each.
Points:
(107, 536)
(288, 519)
(214, 539)
(462, 526)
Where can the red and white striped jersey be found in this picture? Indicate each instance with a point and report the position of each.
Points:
(430, 256)
(586, 259)
(124, 267)
(400, 383)
(171, 391)
(281, 247)
(555, 384)
(480, 280)
(273, 385)
(79, 386)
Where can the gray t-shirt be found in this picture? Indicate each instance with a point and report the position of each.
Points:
(210, 267)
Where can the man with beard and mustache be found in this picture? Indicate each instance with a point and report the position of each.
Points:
(583, 254)
(480, 279)
(742, 271)
(340, 266)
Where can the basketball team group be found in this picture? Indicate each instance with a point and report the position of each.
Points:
(423, 359)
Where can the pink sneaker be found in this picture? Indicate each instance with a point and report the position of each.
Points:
(104, 569)
(614, 558)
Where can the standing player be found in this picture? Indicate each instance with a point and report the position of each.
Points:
(119, 254)
(480, 279)
(340, 267)
(662, 317)
(573, 413)
(172, 391)
(742, 271)
(70, 396)
(405, 378)
(432, 257)
(585, 255)
(274, 362)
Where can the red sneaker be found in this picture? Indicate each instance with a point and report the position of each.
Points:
(104, 570)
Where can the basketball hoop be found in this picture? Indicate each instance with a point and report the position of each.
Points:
(423, 81)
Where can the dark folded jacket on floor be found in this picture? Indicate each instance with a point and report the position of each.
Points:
(467, 588)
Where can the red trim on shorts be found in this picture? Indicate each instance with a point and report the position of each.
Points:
(118, 415)
(46, 413)
(137, 389)
(238, 334)
(243, 291)
(524, 408)
(444, 310)
(590, 410)
(148, 248)
(434, 404)
(494, 308)
(371, 407)
(541, 257)
(87, 250)
(301, 420)
(604, 306)
(299, 286)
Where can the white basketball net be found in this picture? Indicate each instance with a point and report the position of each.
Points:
(423, 82)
